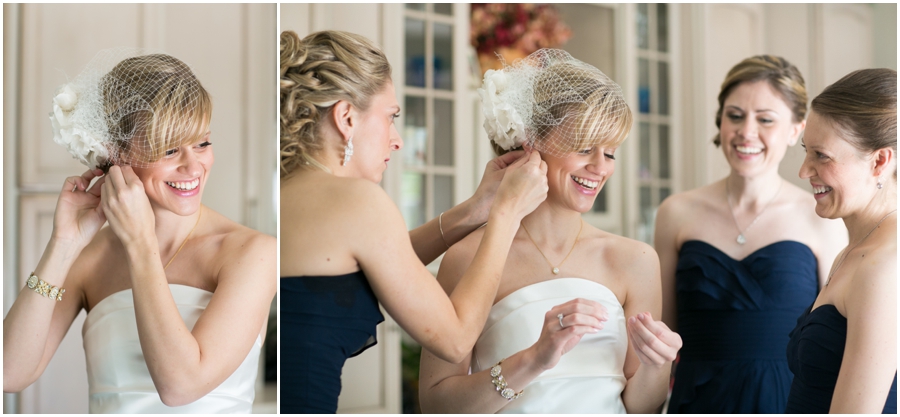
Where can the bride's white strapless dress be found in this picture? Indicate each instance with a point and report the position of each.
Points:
(587, 379)
(118, 378)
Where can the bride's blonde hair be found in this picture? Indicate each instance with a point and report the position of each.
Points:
(177, 109)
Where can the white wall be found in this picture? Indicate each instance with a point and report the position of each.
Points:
(884, 27)
(824, 41)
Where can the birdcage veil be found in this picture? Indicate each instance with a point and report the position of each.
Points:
(129, 106)
(550, 90)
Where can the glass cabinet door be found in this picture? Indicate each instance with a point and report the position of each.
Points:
(428, 122)
(652, 115)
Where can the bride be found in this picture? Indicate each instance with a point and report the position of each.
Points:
(556, 339)
(177, 295)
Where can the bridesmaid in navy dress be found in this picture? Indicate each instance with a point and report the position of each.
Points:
(843, 351)
(344, 245)
(742, 257)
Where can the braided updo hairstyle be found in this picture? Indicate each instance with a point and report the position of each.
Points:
(317, 72)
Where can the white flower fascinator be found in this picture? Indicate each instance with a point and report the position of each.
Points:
(128, 107)
(550, 90)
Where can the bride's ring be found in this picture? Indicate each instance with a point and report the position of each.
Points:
(560, 317)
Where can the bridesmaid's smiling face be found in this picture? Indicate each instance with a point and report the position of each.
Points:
(757, 127)
(840, 175)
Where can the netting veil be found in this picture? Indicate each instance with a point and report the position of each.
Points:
(550, 91)
(129, 107)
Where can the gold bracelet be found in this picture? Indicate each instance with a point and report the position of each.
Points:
(501, 385)
(441, 227)
(43, 288)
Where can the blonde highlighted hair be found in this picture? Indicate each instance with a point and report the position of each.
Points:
(178, 108)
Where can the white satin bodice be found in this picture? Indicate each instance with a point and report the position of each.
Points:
(118, 378)
(587, 379)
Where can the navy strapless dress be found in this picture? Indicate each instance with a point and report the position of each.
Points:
(324, 321)
(815, 353)
(734, 318)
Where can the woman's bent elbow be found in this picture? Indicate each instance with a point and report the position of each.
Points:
(452, 348)
(13, 386)
(14, 383)
(176, 397)
(455, 353)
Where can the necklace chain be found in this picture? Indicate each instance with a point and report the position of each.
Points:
(310, 161)
(847, 253)
(741, 239)
(185, 239)
(555, 269)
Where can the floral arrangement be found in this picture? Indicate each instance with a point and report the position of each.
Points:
(83, 145)
(527, 27)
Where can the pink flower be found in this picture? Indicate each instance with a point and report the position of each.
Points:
(527, 27)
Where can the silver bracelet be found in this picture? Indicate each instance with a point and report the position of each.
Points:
(501, 385)
(441, 227)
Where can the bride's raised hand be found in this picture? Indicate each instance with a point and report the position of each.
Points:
(127, 207)
(78, 214)
(653, 341)
(564, 326)
(524, 186)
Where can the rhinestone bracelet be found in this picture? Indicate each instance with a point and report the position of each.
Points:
(43, 288)
(501, 385)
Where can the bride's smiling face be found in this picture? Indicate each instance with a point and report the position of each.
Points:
(175, 182)
(576, 178)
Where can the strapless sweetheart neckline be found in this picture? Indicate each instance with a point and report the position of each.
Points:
(588, 379)
(734, 317)
(129, 290)
(752, 254)
(815, 353)
(118, 378)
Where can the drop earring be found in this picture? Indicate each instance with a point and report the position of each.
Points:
(879, 185)
(348, 151)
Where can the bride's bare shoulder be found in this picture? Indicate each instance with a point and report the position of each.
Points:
(236, 238)
(619, 251)
(232, 244)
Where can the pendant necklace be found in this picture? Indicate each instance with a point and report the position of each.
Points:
(741, 239)
(854, 247)
(185, 239)
(554, 269)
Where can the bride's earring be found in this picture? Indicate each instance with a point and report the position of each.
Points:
(348, 152)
